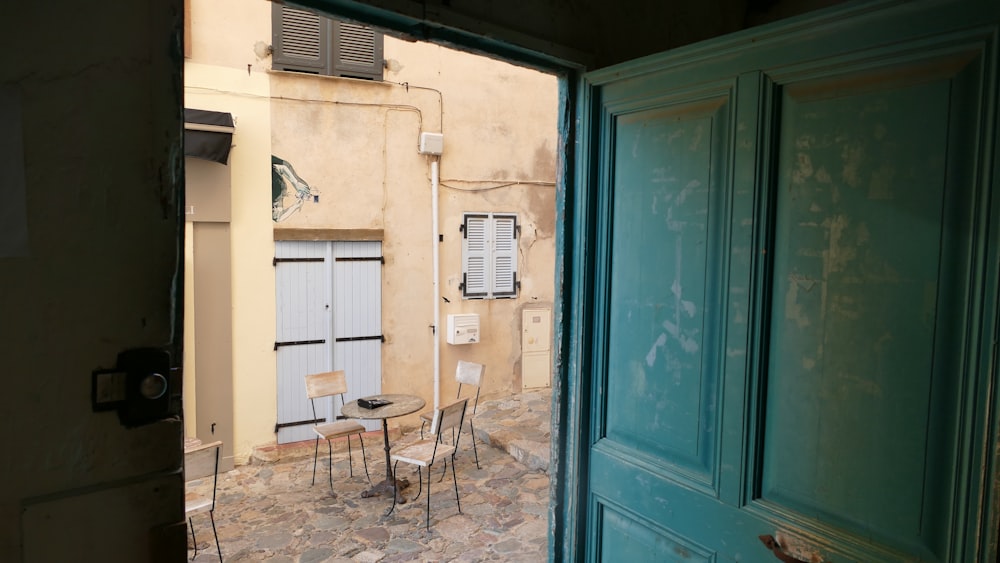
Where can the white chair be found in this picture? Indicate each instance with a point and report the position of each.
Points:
(328, 384)
(469, 374)
(425, 452)
(201, 461)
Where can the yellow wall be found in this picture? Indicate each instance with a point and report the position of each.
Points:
(355, 142)
(246, 97)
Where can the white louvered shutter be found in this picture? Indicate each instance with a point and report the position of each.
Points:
(475, 256)
(504, 256)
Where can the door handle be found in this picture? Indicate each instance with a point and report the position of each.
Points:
(772, 544)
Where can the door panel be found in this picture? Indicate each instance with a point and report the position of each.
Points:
(302, 317)
(624, 538)
(668, 159)
(784, 318)
(857, 310)
(357, 318)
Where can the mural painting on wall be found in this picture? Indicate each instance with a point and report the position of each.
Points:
(288, 190)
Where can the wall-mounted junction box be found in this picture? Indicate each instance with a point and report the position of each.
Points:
(431, 143)
(463, 329)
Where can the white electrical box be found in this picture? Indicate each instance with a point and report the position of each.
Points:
(463, 329)
(431, 143)
(536, 348)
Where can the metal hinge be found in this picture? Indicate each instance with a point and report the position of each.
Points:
(277, 260)
(298, 343)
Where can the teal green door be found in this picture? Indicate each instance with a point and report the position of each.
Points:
(795, 266)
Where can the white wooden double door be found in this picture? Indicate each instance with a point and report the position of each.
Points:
(329, 317)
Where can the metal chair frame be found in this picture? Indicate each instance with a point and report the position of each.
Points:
(466, 373)
(416, 454)
(195, 468)
(329, 384)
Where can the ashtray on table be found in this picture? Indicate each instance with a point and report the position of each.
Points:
(373, 403)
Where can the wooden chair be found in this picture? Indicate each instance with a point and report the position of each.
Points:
(469, 374)
(329, 384)
(200, 462)
(425, 452)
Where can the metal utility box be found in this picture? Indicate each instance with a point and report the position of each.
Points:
(536, 348)
(431, 143)
(463, 328)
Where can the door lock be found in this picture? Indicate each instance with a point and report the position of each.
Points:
(138, 387)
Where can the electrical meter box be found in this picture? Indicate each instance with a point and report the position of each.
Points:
(463, 329)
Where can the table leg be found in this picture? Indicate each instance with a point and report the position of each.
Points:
(388, 466)
(385, 487)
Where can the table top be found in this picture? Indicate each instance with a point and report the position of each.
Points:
(401, 405)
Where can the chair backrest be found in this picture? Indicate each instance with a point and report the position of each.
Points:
(469, 373)
(326, 384)
(202, 461)
(449, 417)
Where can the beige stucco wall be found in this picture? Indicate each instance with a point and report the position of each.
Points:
(355, 142)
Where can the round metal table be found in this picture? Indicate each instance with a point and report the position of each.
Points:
(401, 405)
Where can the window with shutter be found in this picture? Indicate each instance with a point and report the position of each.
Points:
(489, 256)
(475, 257)
(304, 41)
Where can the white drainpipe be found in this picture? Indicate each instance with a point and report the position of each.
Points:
(437, 290)
(432, 144)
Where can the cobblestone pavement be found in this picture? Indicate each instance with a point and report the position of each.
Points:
(269, 511)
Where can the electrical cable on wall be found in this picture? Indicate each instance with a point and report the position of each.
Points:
(396, 107)
(503, 185)
(407, 85)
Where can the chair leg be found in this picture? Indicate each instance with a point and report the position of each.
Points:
(444, 470)
(194, 540)
(454, 480)
(350, 457)
(394, 466)
(420, 481)
(422, 423)
(211, 514)
(428, 525)
(315, 456)
(329, 458)
(364, 457)
(472, 436)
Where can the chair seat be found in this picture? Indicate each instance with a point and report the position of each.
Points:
(427, 416)
(338, 428)
(197, 505)
(421, 453)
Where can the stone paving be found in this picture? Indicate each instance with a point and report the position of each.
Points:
(520, 425)
(269, 511)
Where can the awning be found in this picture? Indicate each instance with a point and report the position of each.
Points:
(208, 134)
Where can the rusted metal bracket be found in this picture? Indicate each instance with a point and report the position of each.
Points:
(772, 544)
